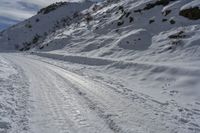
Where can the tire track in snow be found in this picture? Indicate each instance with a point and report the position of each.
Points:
(184, 118)
(54, 110)
(100, 112)
(98, 101)
(119, 112)
(161, 111)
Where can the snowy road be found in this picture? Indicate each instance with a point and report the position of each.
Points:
(62, 101)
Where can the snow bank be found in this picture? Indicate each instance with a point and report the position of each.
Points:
(13, 99)
(76, 59)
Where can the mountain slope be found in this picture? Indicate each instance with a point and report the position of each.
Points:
(34, 30)
(122, 30)
(127, 29)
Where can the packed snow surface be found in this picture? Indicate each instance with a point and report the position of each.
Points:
(75, 97)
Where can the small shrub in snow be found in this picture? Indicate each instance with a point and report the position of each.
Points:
(131, 19)
(128, 14)
(41, 47)
(151, 21)
(75, 15)
(37, 20)
(167, 12)
(124, 13)
(28, 26)
(138, 11)
(88, 17)
(21, 49)
(36, 39)
(176, 42)
(121, 8)
(192, 13)
(26, 44)
(120, 23)
(172, 21)
(164, 20)
(95, 8)
(178, 35)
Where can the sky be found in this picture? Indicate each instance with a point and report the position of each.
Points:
(14, 11)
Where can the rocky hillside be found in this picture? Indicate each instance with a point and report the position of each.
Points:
(127, 29)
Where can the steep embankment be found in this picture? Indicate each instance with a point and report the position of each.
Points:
(132, 30)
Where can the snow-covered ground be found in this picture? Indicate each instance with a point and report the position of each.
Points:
(14, 94)
(124, 66)
(75, 97)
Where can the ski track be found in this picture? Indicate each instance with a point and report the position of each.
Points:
(63, 101)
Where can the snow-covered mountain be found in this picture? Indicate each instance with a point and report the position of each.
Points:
(142, 53)
(128, 29)
(32, 31)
